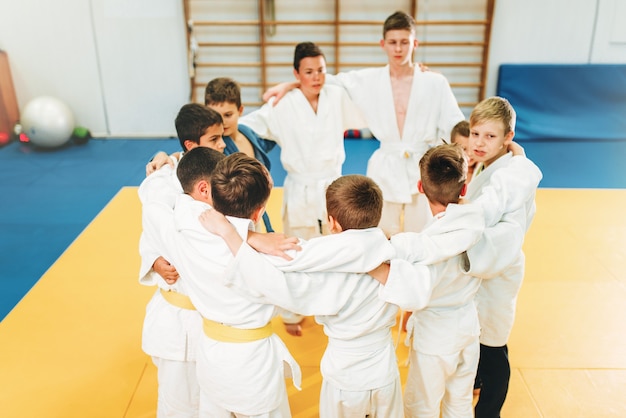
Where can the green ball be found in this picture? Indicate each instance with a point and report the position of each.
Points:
(81, 135)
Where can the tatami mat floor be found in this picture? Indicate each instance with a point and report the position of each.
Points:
(71, 347)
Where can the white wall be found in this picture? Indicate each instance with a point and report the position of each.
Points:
(121, 65)
(122, 69)
(556, 32)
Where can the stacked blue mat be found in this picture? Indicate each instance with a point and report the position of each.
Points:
(566, 101)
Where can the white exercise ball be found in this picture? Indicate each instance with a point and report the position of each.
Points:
(47, 121)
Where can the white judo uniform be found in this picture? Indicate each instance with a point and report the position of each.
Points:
(359, 366)
(170, 332)
(312, 151)
(431, 114)
(444, 324)
(245, 378)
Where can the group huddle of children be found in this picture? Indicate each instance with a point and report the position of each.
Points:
(343, 257)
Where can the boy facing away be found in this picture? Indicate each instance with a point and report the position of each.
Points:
(359, 366)
(492, 128)
(408, 111)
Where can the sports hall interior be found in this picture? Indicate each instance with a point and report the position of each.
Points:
(71, 307)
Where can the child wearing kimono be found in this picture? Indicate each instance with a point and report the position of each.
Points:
(492, 128)
(444, 323)
(240, 363)
(171, 325)
(309, 125)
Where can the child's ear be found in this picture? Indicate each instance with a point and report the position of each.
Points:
(420, 186)
(334, 226)
(257, 214)
(463, 190)
(203, 189)
(240, 110)
(189, 144)
(508, 138)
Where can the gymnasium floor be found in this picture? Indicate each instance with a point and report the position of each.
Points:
(69, 226)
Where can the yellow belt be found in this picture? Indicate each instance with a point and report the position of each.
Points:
(177, 299)
(226, 334)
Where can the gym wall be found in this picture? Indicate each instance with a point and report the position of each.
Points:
(121, 65)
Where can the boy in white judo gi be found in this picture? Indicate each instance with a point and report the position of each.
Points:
(309, 125)
(240, 362)
(359, 366)
(171, 325)
(223, 95)
(492, 128)
(408, 111)
(444, 322)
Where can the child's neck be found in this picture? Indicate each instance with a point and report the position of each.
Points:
(436, 208)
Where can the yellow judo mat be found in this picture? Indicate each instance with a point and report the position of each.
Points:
(72, 346)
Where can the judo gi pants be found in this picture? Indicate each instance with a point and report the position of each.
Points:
(179, 392)
(443, 382)
(409, 217)
(384, 402)
(494, 372)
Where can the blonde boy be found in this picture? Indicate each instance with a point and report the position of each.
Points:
(492, 128)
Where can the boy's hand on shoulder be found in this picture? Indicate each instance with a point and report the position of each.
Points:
(274, 244)
(159, 160)
(423, 67)
(516, 149)
(215, 222)
(278, 91)
(165, 270)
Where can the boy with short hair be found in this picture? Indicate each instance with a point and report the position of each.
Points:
(359, 366)
(195, 126)
(444, 323)
(492, 128)
(171, 325)
(239, 359)
(309, 126)
(408, 111)
(224, 96)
